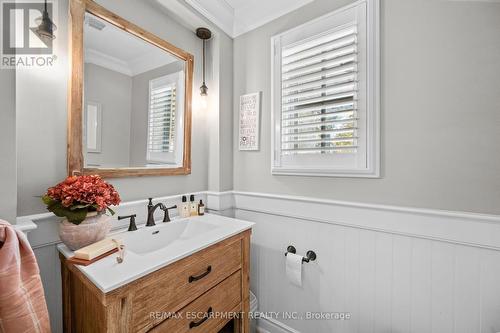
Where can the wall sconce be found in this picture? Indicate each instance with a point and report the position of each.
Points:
(204, 34)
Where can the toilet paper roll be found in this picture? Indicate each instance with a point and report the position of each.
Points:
(294, 268)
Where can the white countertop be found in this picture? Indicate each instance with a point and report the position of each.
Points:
(108, 275)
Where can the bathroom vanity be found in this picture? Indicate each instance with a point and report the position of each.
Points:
(189, 275)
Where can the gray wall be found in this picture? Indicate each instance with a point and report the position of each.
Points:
(226, 114)
(8, 145)
(440, 107)
(41, 104)
(139, 113)
(42, 116)
(220, 146)
(113, 91)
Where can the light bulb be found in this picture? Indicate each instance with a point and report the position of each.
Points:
(204, 101)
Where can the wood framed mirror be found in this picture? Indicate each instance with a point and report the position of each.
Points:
(129, 98)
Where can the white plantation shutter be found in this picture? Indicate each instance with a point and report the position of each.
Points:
(162, 120)
(319, 92)
(324, 115)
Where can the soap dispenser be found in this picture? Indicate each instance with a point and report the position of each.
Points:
(184, 207)
(193, 207)
(201, 208)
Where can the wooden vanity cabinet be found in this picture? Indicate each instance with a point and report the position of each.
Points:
(198, 294)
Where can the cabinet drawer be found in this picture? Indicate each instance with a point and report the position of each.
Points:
(208, 313)
(176, 285)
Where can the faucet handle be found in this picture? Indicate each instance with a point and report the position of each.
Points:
(166, 217)
(150, 202)
(132, 226)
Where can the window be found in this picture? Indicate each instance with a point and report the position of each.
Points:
(164, 138)
(325, 95)
(93, 127)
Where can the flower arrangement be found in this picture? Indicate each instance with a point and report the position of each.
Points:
(76, 196)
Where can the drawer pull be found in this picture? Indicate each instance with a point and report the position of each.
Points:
(198, 323)
(201, 276)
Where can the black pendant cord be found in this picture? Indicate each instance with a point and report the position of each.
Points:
(204, 62)
(204, 34)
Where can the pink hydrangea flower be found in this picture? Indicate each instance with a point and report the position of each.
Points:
(85, 190)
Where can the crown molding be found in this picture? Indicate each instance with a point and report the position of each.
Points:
(240, 29)
(183, 13)
(219, 12)
(100, 59)
(139, 65)
(148, 62)
(236, 22)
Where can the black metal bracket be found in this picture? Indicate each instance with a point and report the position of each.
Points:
(310, 255)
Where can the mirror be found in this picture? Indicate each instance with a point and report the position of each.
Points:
(130, 102)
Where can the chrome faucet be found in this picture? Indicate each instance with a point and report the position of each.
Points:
(151, 210)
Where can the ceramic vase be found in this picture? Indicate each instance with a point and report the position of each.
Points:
(93, 229)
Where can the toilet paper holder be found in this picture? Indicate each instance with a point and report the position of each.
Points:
(310, 255)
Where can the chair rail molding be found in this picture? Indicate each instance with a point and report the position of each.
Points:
(25, 225)
(472, 229)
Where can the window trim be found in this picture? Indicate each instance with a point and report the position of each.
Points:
(372, 97)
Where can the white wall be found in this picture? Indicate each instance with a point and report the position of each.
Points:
(389, 280)
(440, 119)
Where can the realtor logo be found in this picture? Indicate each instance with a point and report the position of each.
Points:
(27, 34)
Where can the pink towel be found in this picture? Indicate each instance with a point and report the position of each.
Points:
(22, 301)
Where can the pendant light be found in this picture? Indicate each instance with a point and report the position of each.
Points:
(204, 34)
(45, 28)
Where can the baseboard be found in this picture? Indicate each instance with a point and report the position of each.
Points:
(270, 325)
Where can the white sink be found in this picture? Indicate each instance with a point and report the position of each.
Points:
(149, 239)
(151, 248)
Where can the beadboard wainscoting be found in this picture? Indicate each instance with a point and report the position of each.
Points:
(394, 269)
